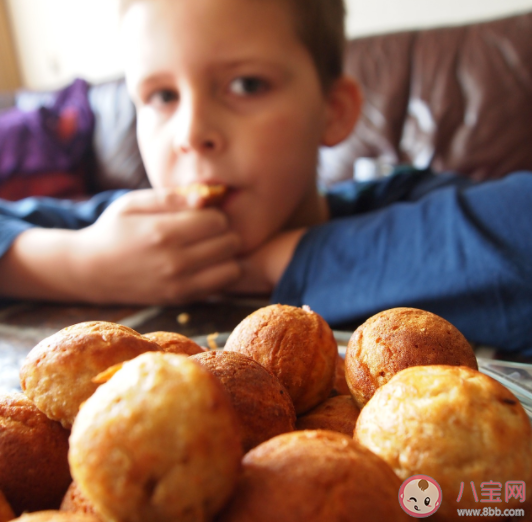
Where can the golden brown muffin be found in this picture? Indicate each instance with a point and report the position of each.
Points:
(34, 473)
(75, 502)
(6, 513)
(296, 345)
(158, 442)
(210, 194)
(56, 516)
(338, 413)
(453, 424)
(396, 339)
(262, 404)
(340, 384)
(173, 342)
(314, 476)
(57, 374)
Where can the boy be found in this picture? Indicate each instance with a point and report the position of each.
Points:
(252, 111)
(241, 93)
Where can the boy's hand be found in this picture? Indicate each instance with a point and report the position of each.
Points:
(148, 247)
(264, 267)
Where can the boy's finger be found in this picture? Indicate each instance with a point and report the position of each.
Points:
(151, 201)
(212, 251)
(193, 226)
(211, 280)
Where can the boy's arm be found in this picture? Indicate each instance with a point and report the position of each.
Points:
(18, 217)
(405, 184)
(461, 253)
(37, 265)
(146, 248)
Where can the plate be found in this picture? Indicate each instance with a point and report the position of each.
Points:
(517, 377)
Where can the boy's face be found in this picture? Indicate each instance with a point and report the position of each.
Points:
(227, 94)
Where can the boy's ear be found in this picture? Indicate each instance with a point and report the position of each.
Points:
(344, 102)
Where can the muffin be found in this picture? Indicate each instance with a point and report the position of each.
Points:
(296, 345)
(173, 342)
(338, 413)
(396, 339)
(56, 516)
(209, 194)
(57, 374)
(159, 441)
(6, 513)
(75, 502)
(34, 473)
(453, 424)
(262, 404)
(314, 476)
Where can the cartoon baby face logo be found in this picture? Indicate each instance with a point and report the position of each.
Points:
(420, 496)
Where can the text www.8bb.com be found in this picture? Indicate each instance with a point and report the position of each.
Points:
(491, 512)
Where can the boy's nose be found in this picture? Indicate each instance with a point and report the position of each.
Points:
(197, 130)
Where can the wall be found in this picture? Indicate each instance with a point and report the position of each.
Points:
(378, 16)
(9, 71)
(60, 39)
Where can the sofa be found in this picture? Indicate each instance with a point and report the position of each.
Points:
(453, 99)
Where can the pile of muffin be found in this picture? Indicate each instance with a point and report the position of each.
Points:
(117, 426)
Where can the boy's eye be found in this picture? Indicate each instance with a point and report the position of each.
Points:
(163, 97)
(247, 85)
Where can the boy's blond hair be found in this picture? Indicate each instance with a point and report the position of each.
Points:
(320, 26)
